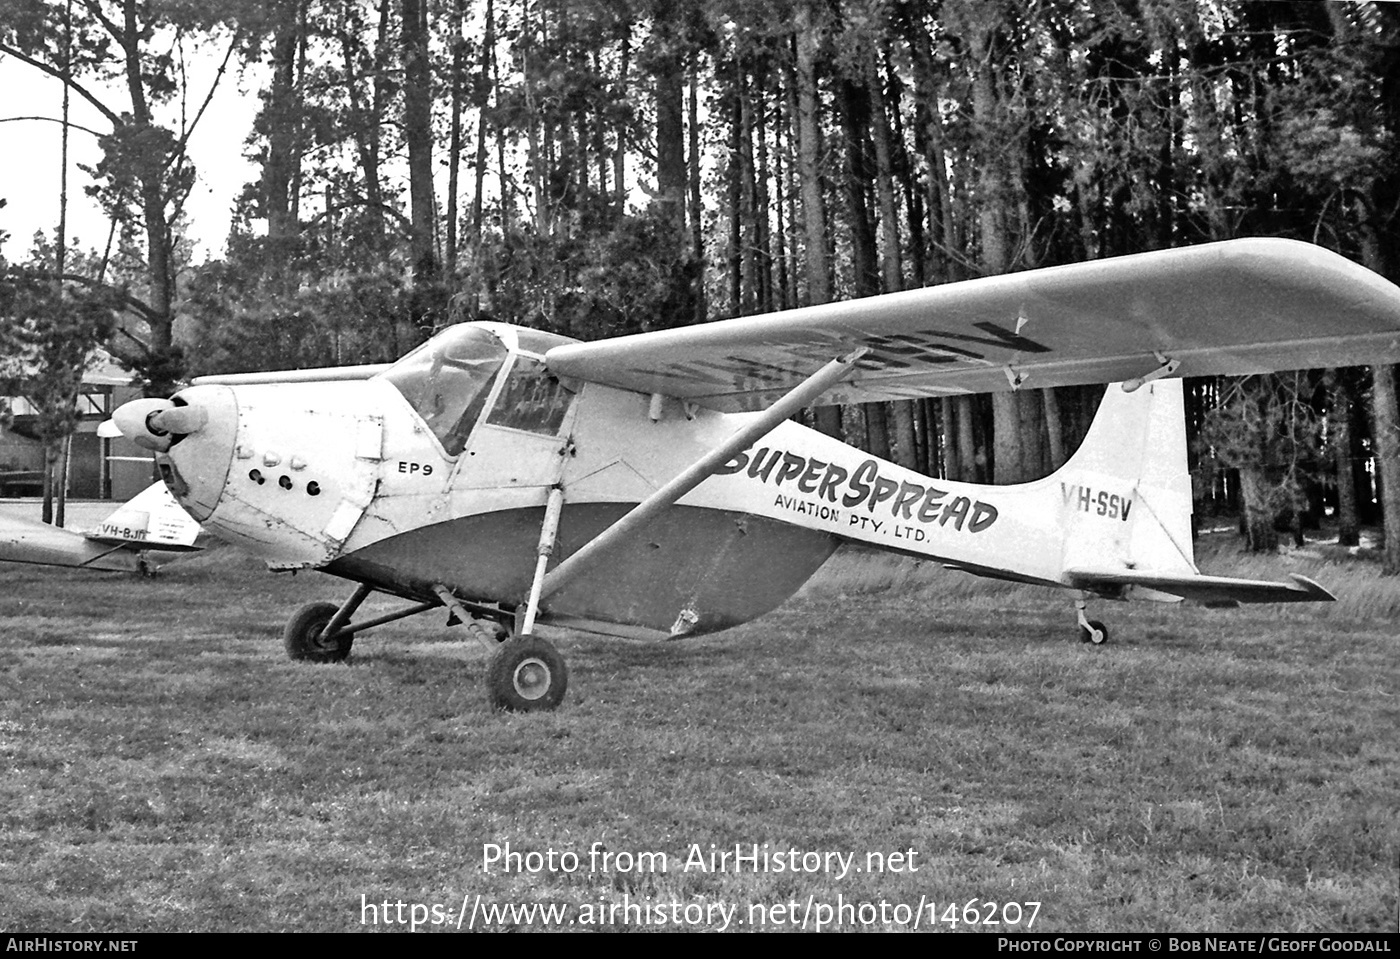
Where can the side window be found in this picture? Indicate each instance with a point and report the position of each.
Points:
(531, 400)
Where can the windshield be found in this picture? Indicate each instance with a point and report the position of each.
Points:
(448, 380)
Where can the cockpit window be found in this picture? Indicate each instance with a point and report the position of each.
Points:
(531, 399)
(448, 380)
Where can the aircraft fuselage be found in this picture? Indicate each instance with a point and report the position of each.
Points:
(351, 478)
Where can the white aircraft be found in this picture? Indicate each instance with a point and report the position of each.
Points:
(149, 521)
(653, 485)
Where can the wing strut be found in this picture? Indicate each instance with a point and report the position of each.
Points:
(644, 512)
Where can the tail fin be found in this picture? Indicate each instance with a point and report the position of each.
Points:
(1136, 451)
(1131, 467)
(149, 520)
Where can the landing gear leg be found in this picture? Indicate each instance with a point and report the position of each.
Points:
(316, 633)
(1090, 630)
(323, 633)
(527, 673)
(486, 628)
(553, 509)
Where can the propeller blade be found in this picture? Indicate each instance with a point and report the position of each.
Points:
(156, 444)
(108, 429)
(180, 420)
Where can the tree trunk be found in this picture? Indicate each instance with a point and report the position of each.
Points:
(1385, 414)
(1053, 427)
(782, 199)
(972, 458)
(60, 493)
(891, 269)
(808, 157)
(1257, 516)
(163, 359)
(1386, 433)
(952, 462)
(855, 125)
(668, 65)
(482, 101)
(454, 142)
(854, 105)
(747, 254)
(762, 243)
(877, 433)
(366, 120)
(1339, 424)
(283, 116)
(50, 462)
(507, 188)
(620, 155)
(668, 68)
(418, 135)
(818, 273)
(697, 238)
(735, 183)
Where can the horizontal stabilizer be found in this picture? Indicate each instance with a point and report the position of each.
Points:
(23, 541)
(1212, 590)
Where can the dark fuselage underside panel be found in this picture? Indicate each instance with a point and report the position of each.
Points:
(694, 570)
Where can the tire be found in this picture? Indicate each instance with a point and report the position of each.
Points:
(303, 636)
(526, 675)
(1097, 634)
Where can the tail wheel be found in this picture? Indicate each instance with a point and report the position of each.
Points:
(526, 675)
(305, 639)
(1096, 633)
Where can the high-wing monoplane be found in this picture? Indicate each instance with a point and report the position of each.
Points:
(149, 522)
(655, 485)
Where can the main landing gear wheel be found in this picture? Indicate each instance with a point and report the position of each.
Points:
(1096, 633)
(527, 674)
(305, 640)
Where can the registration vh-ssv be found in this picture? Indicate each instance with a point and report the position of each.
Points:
(656, 485)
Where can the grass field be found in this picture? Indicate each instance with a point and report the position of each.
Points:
(165, 768)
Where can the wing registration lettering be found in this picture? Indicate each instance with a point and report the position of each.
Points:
(742, 373)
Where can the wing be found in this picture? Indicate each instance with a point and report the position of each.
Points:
(1238, 307)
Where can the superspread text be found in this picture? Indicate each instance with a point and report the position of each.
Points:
(864, 487)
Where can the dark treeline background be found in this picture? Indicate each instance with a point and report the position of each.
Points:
(600, 167)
